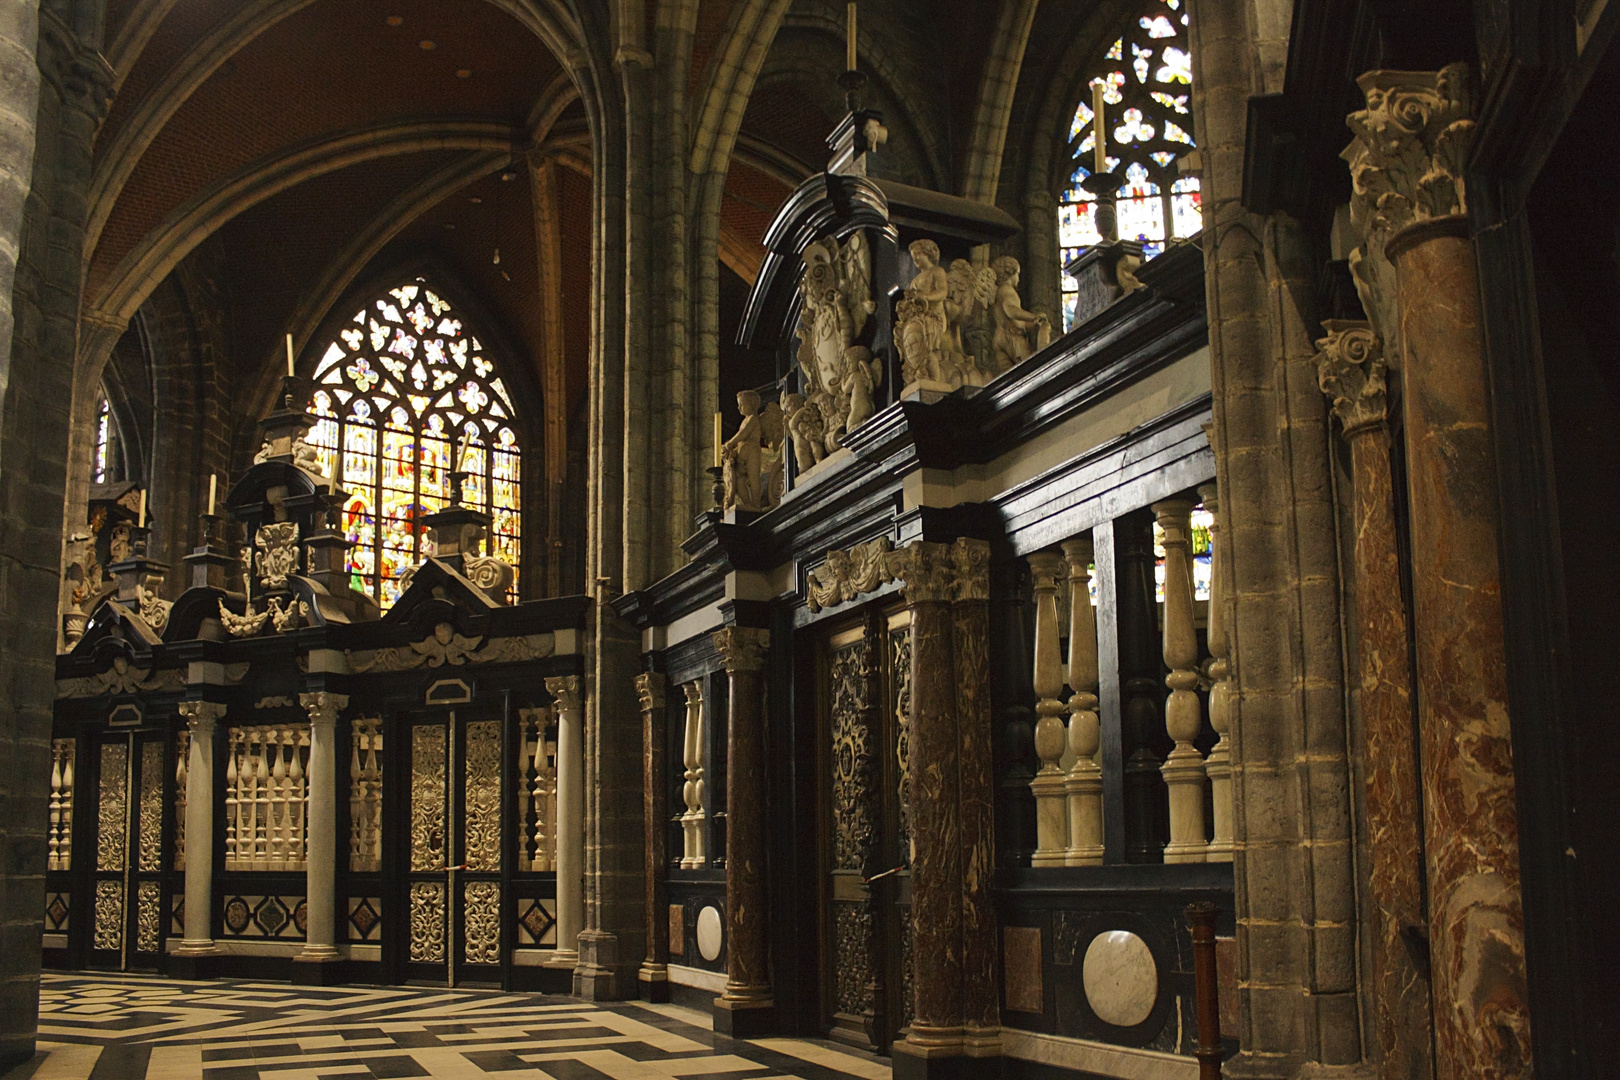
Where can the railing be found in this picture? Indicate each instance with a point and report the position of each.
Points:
(266, 797)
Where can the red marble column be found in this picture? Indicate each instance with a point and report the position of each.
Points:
(970, 613)
(1352, 372)
(654, 974)
(937, 1027)
(1482, 1020)
(1409, 202)
(747, 1006)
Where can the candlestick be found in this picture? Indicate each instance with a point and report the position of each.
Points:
(289, 355)
(717, 440)
(213, 489)
(849, 40)
(1099, 90)
(140, 515)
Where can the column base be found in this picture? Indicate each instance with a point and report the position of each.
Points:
(193, 964)
(912, 1062)
(745, 1019)
(653, 979)
(319, 970)
(566, 959)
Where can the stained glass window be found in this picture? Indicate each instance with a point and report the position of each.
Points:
(1202, 567)
(98, 468)
(1147, 80)
(404, 394)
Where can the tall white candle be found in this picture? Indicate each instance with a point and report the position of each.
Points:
(289, 356)
(213, 490)
(849, 41)
(140, 518)
(1099, 126)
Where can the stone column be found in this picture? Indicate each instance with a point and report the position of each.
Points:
(1352, 372)
(747, 1007)
(564, 690)
(1183, 716)
(317, 962)
(970, 611)
(1405, 167)
(654, 974)
(1218, 670)
(1083, 785)
(201, 717)
(1051, 808)
(937, 1028)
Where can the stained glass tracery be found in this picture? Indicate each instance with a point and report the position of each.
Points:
(403, 395)
(103, 440)
(1147, 79)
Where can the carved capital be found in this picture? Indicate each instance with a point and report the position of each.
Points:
(650, 689)
(565, 689)
(1351, 370)
(1046, 568)
(1175, 518)
(971, 561)
(323, 706)
(201, 716)
(927, 570)
(694, 691)
(1411, 142)
(742, 648)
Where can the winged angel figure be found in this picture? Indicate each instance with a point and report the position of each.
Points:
(840, 376)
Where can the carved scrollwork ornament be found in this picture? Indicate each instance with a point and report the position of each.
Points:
(1352, 373)
(278, 552)
(242, 625)
(849, 573)
(971, 561)
(488, 573)
(927, 570)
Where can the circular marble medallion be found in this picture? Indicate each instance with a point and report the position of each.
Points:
(709, 933)
(1121, 979)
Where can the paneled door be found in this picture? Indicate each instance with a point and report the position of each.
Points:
(864, 677)
(126, 887)
(455, 882)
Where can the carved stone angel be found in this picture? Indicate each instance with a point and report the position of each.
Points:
(751, 460)
(1019, 333)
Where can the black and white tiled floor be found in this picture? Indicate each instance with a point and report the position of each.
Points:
(117, 1028)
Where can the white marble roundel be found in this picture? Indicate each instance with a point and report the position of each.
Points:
(709, 933)
(1121, 979)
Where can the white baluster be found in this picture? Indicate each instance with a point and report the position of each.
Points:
(525, 788)
(692, 791)
(298, 784)
(53, 858)
(357, 796)
(1183, 770)
(1083, 785)
(1051, 807)
(1221, 690)
(233, 806)
(374, 796)
(65, 849)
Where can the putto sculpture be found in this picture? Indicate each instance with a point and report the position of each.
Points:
(751, 460)
(965, 326)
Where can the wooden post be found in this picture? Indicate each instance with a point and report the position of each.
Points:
(1201, 921)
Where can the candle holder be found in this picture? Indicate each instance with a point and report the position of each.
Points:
(718, 473)
(852, 82)
(1106, 185)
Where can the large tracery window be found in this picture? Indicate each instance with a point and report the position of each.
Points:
(403, 395)
(1147, 79)
(102, 459)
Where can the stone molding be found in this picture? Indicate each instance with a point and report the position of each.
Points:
(650, 688)
(1410, 148)
(1351, 370)
(742, 648)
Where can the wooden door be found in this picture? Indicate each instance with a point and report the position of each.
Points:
(126, 887)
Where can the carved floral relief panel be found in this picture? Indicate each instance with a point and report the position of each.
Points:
(481, 813)
(427, 804)
(481, 916)
(851, 758)
(427, 922)
(150, 833)
(113, 810)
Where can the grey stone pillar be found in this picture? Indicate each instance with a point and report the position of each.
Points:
(201, 718)
(316, 963)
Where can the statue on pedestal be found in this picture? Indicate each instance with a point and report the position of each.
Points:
(1019, 333)
(751, 460)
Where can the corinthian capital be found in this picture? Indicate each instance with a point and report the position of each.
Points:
(201, 715)
(1411, 141)
(1350, 368)
(650, 689)
(565, 689)
(323, 706)
(742, 648)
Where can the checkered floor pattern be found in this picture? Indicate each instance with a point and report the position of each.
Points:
(127, 1028)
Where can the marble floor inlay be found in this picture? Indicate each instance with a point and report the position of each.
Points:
(129, 1028)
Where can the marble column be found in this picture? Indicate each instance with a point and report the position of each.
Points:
(1083, 785)
(654, 975)
(564, 691)
(201, 719)
(1051, 806)
(1408, 197)
(1219, 672)
(317, 961)
(970, 613)
(1183, 715)
(937, 1028)
(1352, 373)
(747, 1006)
